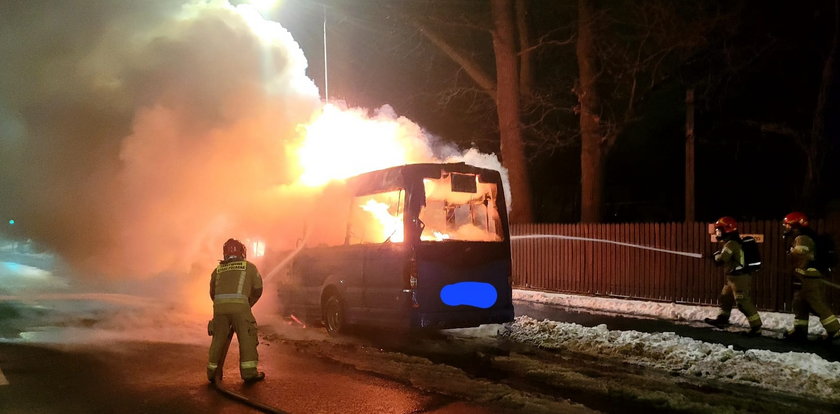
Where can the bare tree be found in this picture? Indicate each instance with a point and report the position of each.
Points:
(618, 68)
(505, 92)
(508, 109)
(593, 144)
(621, 53)
(811, 139)
(817, 145)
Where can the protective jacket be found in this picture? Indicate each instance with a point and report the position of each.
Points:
(802, 254)
(235, 286)
(731, 256)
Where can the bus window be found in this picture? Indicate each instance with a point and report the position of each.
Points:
(459, 207)
(375, 218)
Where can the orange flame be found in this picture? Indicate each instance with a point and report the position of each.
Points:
(391, 225)
(342, 143)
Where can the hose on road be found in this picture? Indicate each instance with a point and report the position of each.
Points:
(217, 383)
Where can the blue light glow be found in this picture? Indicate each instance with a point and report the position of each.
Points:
(476, 294)
(11, 221)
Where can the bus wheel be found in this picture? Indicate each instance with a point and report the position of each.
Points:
(334, 315)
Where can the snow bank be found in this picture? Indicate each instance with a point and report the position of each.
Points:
(799, 373)
(773, 321)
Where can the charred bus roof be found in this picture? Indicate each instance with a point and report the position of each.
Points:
(402, 176)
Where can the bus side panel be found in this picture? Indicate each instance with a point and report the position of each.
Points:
(317, 268)
(384, 299)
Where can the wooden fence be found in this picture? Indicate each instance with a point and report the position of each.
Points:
(650, 261)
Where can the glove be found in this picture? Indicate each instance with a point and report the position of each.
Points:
(210, 328)
(716, 262)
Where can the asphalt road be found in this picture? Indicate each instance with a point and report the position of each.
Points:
(309, 373)
(136, 377)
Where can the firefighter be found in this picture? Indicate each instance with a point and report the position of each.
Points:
(808, 286)
(235, 286)
(736, 291)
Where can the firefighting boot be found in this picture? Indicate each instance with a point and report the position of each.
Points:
(259, 377)
(754, 331)
(833, 338)
(797, 335)
(721, 321)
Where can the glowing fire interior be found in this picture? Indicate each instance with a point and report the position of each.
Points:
(458, 207)
(376, 218)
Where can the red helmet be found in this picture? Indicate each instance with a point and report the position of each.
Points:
(796, 219)
(233, 247)
(726, 224)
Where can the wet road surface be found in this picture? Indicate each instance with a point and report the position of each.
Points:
(170, 378)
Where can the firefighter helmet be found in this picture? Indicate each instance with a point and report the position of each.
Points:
(233, 247)
(726, 224)
(796, 219)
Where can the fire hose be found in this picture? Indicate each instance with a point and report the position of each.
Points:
(217, 383)
(831, 284)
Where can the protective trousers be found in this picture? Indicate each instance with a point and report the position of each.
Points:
(245, 327)
(809, 297)
(736, 291)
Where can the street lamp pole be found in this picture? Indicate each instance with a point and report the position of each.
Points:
(326, 77)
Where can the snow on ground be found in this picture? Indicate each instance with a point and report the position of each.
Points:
(40, 305)
(102, 318)
(773, 321)
(794, 372)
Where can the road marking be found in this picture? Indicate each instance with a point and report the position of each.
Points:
(3, 380)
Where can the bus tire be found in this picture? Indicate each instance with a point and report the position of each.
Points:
(334, 315)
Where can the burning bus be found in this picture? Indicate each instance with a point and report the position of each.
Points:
(424, 246)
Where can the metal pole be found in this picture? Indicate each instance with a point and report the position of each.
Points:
(326, 78)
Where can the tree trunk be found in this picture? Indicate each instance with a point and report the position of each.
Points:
(508, 107)
(526, 68)
(592, 150)
(689, 156)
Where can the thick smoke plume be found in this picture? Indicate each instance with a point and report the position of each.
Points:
(137, 136)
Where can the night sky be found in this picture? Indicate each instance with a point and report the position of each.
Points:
(760, 65)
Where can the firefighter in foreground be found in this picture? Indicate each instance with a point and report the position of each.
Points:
(235, 286)
(736, 291)
(808, 286)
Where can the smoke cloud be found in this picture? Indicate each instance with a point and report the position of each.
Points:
(135, 134)
(135, 137)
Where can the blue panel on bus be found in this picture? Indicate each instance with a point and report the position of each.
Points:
(477, 294)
